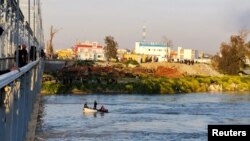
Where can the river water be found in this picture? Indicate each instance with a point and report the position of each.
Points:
(140, 117)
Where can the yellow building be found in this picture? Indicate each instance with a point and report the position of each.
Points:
(65, 54)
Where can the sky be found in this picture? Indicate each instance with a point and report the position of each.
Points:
(197, 24)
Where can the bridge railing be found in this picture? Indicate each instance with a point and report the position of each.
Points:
(18, 91)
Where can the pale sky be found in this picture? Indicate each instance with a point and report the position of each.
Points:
(196, 24)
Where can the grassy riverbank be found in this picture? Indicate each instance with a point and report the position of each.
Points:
(154, 85)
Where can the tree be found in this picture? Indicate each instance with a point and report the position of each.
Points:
(232, 55)
(50, 50)
(169, 43)
(110, 49)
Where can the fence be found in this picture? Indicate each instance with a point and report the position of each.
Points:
(20, 24)
(17, 96)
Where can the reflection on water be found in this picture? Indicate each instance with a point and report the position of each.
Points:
(140, 117)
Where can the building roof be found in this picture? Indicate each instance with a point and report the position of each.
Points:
(152, 44)
(87, 46)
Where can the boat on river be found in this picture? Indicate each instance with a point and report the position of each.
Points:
(89, 110)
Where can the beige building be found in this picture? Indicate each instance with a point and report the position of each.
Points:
(89, 51)
(187, 54)
(121, 53)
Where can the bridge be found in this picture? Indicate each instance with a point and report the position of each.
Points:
(20, 24)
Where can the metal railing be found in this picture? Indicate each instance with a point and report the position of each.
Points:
(19, 89)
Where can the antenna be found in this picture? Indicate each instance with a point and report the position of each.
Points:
(144, 32)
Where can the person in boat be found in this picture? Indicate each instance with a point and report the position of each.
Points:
(85, 105)
(103, 109)
(95, 104)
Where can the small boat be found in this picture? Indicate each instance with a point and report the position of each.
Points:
(88, 110)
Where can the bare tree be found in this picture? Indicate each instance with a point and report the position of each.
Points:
(243, 33)
(169, 43)
(50, 50)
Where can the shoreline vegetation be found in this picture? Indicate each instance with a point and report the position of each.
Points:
(89, 78)
(155, 86)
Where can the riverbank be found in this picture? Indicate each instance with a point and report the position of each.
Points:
(87, 77)
(153, 85)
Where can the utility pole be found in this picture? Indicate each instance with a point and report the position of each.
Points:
(34, 19)
(17, 33)
(29, 25)
(144, 33)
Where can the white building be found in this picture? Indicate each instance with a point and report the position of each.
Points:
(161, 51)
(187, 54)
(247, 61)
(89, 51)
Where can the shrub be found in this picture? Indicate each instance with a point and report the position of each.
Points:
(84, 63)
(132, 62)
(52, 88)
(129, 87)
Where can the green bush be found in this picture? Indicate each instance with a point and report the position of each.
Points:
(84, 63)
(129, 87)
(153, 85)
(52, 88)
(132, 62)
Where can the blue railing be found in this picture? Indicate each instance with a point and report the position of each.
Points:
(18, 93)
(20, 25)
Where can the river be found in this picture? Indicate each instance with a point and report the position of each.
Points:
(140, 117)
